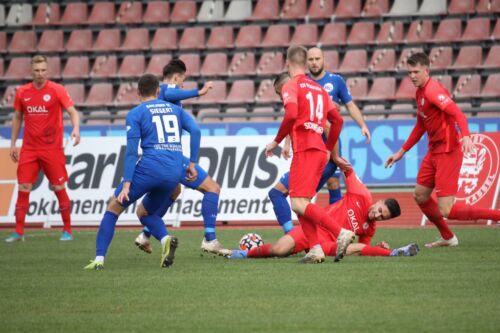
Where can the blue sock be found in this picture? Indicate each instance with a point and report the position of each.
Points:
(281, 209)
(161, 213)
(335, 195)
(105, 233)
(209, 210)
(146, 232)
(155, 225)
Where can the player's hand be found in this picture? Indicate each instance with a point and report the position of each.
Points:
(123, 196)
(468, 146)
(394, 158)
(191, 173)
(14, 154)
(270, 148)
(366, 133)
(343, 164)
(384, 245)
(286, 151)
(75, 137)
(206, 87)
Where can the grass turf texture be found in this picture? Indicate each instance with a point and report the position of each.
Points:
(45, 289)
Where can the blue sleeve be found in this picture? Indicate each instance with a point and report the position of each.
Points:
(190, 125)
(174, 95)
(343, 92)
(133, 137)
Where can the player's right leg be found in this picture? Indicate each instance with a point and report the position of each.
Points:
(282, 248)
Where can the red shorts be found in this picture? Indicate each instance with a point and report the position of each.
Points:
(305, 173)
(326, 240)
(52, 162)
(441, 171)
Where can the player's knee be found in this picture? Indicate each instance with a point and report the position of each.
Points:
(141, 211)
(56, 188)
(444, 209)
(279, 250)
(25, 187)
(213, 186)
(176, 193)
(333, 183)
(420, 198)
(275, 194)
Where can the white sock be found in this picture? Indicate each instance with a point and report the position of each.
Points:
(164, 240)
(99, 259)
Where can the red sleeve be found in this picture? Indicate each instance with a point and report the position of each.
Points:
(18, 106)
(438, 95)
(64, 97)
(453, 110)
(354, 185)
(336, 122)
(291, 111)
(415, 134)
(289, 93)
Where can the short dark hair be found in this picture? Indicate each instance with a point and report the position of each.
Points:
(280, 78)
(174, 66)
(148, 85)
(419, 58)
(393, 206)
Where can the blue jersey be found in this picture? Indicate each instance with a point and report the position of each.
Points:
(173, 94)
(336, 87)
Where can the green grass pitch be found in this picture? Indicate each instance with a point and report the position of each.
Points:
(44, 288)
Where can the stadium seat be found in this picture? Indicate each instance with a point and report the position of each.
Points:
(420, 31)
(493, 58)
(496, 31)
(77, 92)
(354, 61)
(20, 14)
(22, 42)
(358, 86)
(100, 94)
(79, 40)
(448, 30)
(51, 41)
(192, 38)
(263, 114)
(491, 86)
(243, 63)
(192, 61)
(221, 38)
(242, 91)
(477, 29)
(305, 34)
(331, 58)
(54, 67)
(233, 115)
(433, 7)
(406, 90)
(157, 62)
(348, 8)
(294, 9)
(2, 67)
(277, 35)
(136, 39)
(104, 66)
(46, 14)
(401, 64)
(375, 8)
(98, 117)
(383, 60)
(468, 86)
(265, 93)
(265, 10)
(216, 94)
(441, 57)
(3, 42)
(446, 81)
(320, 9)
(76, 67)
(391, 32)
(102, 13)
(461, 7)
(2, 15)
(188, 85)
(164, 39)
(488, 6)
(211, 10)
(361, 33)
(270, 63)
(403, 7)
(215, 64)
(126, 95)
(75, 14)
(9, 95)
(183, 11)
(157, 12)
(238, 10)
(129, 12)
(383, 88)
(107, 40)
(333, 34)
(469, 57)
(249, 36)
(132, 66)
(205, 115)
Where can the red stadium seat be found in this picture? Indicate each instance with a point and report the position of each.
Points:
(51, 41)
(183, 11)
(488, 6)
(54, 67)
(100, 94)
(294, 9)
(75, 13)
(79, 40)
(375, 8)
(248, 36)
(305, 34)
(129, 12)
(221, 38)
(491, 86)
(361, 33)
(206, 115)
(493, 58)
(266, 93)
(164, 39)
(102, 13)
(401, 64)
(320, 9)
(461, 7)
(382, 88)
(358, 86)
(132, 66)
(331, 58)
(243, 63)
(406, 90)
(477, 29)
(215, 95)
(333, 34)
(235, 113)
(76, 67)
(127, 95)
(192, 38)
(107, 40)
(1, 67)
(136, 39)
(157, 12)
(441, 57)
(496, 31)
(469, 57)
(23, 42)
(270, 63)
(46, 14)
(420, 31)
(263, 114)
(192, 61)
(383, 60)
(3, 42)
(468, 86)
(241, 92)
(391, 32)
(157, 62)
(9, 96)
(215, 64)
(448, 30)
(446, 81)
(104, 66)
(354, 61)
(265, 10)
(348, 8)
(76, 91)
(277, 35)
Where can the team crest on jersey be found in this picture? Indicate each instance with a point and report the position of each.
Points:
(365, 226)
(46, 97)
(328, 87)
(478, 171)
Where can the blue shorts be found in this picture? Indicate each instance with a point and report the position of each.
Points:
(202, 175)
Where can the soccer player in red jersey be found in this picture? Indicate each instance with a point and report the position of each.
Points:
(40, 104)
(307, 107)
(438, 115)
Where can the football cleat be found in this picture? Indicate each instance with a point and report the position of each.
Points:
(406, 251)
(168, 252)
(66, 236)
(225, 253)
(213, 246)
(143, 243)
(314, 256)
(238, 254)
(441, 242)
(14, 237)
(345, 238)
(94, 265)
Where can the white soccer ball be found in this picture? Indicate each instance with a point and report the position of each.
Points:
(250, 241)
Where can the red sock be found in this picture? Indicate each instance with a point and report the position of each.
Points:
(375, 251)
(309, 229)
(65, 208)
(431, 210)
(22, 205)
(468, 212)
(329, 248)
(263, 251)
(317, 215)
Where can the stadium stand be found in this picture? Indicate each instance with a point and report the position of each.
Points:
(157, 12)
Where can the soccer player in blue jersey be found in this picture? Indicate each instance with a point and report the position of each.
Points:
(174, 74)
(158, 126)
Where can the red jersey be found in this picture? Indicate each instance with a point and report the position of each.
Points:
(351, 212)
(42, 111)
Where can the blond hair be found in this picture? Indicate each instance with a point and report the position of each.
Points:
(38, 59)
(297, 54)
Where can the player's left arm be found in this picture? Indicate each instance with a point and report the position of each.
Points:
(131, 153)
(453, 110)
(191, 126)
(69, 106)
